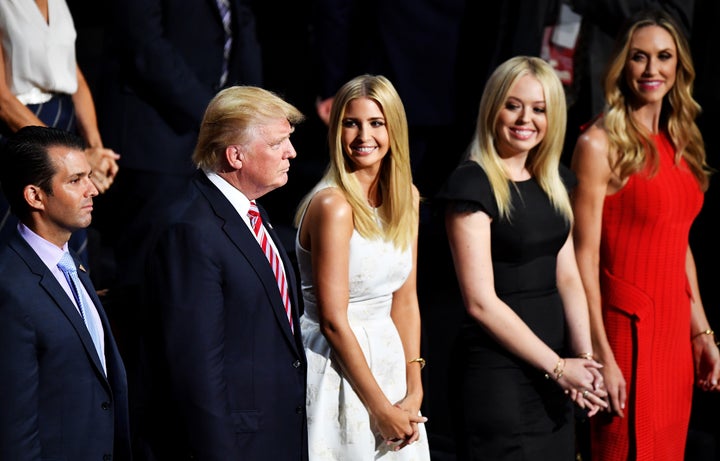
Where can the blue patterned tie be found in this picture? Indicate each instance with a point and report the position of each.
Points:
(67, 266)
(224, 7)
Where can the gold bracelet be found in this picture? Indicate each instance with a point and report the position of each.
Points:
(704, 332)
(419, 360)
(586, 355)
(558, 371)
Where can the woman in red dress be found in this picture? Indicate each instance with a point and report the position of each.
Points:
(641, 177)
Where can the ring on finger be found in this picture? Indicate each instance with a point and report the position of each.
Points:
(585, 393)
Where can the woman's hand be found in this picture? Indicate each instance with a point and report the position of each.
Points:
(398, 426)
(616, 387)
(706, 358)
(412, 407)
(582, 381)
(104, 166)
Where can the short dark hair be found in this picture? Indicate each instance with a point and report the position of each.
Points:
(24, 160)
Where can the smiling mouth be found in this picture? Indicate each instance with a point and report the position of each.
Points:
(522, 134)
(363, 149)
(650, 85)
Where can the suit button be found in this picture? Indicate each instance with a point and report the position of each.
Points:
(105, 405)
(296, 364)
(299, 409)
(107, 457)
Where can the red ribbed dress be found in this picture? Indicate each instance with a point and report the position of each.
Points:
(646, 309)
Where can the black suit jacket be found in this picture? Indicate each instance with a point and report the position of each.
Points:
(55, 400)
(229, 379)
(165, 63)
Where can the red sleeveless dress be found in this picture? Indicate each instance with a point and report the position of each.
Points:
(646, 309)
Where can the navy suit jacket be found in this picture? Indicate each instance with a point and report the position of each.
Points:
(55, 400)
(229, 374)
(164, 65)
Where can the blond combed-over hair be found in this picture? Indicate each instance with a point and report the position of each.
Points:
(231, 117)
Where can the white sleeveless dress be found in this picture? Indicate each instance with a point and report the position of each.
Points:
(339, 427)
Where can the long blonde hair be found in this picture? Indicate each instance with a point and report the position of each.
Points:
(395, 182)
(544, 159)
(631, 141)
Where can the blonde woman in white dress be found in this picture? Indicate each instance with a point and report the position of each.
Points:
(357, 253)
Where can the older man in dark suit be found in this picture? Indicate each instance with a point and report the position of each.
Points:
(225, 356)
(63, 388)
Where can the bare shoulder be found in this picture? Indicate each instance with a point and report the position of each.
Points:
(331, 207)
(592, 151)
(330, 200)
(594, 139)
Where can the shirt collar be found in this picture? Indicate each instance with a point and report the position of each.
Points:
(236, 198)
(48, 252)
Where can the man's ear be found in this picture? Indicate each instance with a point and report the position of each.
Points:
(234, 156)
(35, 197)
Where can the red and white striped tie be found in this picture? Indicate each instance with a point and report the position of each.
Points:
(273, 258)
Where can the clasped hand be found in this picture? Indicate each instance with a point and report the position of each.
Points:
(399, 426)
(104, 165)
(583, 382)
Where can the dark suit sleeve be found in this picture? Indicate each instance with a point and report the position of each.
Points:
(188, 284)
(147, 35)
(19, 393)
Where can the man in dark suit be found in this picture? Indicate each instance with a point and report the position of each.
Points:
(63, 393)
(165, 61)
(226, 365)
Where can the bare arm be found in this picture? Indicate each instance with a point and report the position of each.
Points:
(14, 113)
(469, 235)
(405, 313)
(102, 160)
(575, 307)
(591, 164)
(705, 351)
(329, 224)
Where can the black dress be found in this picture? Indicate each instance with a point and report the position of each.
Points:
(504, 408)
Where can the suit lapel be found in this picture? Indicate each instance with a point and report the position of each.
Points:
(111, 351)
(242, 237)
(50, 284)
